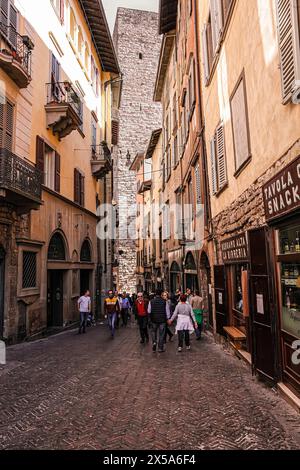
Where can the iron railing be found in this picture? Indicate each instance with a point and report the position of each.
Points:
(18, 175)
(101, 152)
(17, 46)
(64, 93)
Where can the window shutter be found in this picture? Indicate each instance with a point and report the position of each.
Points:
(9, 126)
(205, 54)
(198, 184)
(289, 48)
(1, 124)
(4, 16)
(57, 172)
(40, 157)
(213, 165)
(76, 186)
(115, 132)
(221, 159)
(82, 189)
(13, 23)
(62, 10)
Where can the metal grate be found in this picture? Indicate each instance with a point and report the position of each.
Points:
(29, 269)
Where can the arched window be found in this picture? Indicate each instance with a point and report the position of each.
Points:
(85, 254)
(175, 268)
(73, 25)
(80, 42)
(56, 250)
(87, 57)
(190, 262)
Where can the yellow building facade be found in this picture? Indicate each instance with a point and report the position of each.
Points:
(59, 84)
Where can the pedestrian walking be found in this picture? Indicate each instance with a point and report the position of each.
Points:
(111, 310)
(188, 295)
(84, 308)
(185, 318)
(140, 310)
(197, 306)
(159, 311)
(168, 333)
(125, 306)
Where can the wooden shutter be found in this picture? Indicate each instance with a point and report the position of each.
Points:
(115, 132)
(1, 124)
(216, 22)
(213, 166)
(8, 126)
(82, 189)
(289, 48)
(62, 10)
(198, 183)
(76, 186)
(221, 159)
(13, 23)
(40, 157)
(4, 6)
(205, 54)
(57, 173)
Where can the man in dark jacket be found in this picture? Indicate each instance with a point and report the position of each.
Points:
(159, 313)
(140, 310)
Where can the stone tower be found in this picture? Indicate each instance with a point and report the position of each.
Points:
(137, 45)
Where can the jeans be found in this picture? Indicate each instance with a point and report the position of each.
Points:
(198, 331)
(161, 329)
(183, 335)
(112, 321)
(168, 333)
(143, 325)
(124, 315)
(83, 320)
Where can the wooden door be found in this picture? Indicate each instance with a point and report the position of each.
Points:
(263, 303)
(55, 296)
(220, 299)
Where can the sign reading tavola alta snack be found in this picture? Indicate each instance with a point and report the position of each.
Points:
(235, 249)
(282, 193)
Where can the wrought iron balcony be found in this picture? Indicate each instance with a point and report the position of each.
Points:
(20, 182)
(101, 161)
(63, 108)
(15, 55)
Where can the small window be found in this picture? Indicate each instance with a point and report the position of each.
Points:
(73, 25)
(140, 56)
(29, 269)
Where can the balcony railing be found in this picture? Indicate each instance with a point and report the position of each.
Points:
(101, 160)
(64, 93)
(20, 178)
(15, 54)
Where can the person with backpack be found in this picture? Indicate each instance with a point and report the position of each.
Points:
(159, 312)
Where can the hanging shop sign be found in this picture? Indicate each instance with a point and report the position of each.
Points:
(235, 249)
(282, 193)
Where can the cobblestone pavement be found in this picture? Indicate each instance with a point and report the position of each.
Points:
(89, 392)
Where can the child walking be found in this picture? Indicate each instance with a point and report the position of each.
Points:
(185, 318)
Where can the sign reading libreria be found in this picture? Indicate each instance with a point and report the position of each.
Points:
(282, 193)
(235, 249)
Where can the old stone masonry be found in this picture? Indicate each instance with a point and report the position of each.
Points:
(137, 45)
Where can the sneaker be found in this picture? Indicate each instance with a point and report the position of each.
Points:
(188, 348)
(179, 349)
(154, 347)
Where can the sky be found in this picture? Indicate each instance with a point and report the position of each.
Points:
(112, 5)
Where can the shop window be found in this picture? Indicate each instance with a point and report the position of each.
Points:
(238, 287)
(289, 240)
(29, 269)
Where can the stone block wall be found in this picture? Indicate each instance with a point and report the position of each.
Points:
(138, 46)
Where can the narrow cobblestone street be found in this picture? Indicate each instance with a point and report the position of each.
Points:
(88, 392)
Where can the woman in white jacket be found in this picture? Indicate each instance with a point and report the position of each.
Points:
(185, 322)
